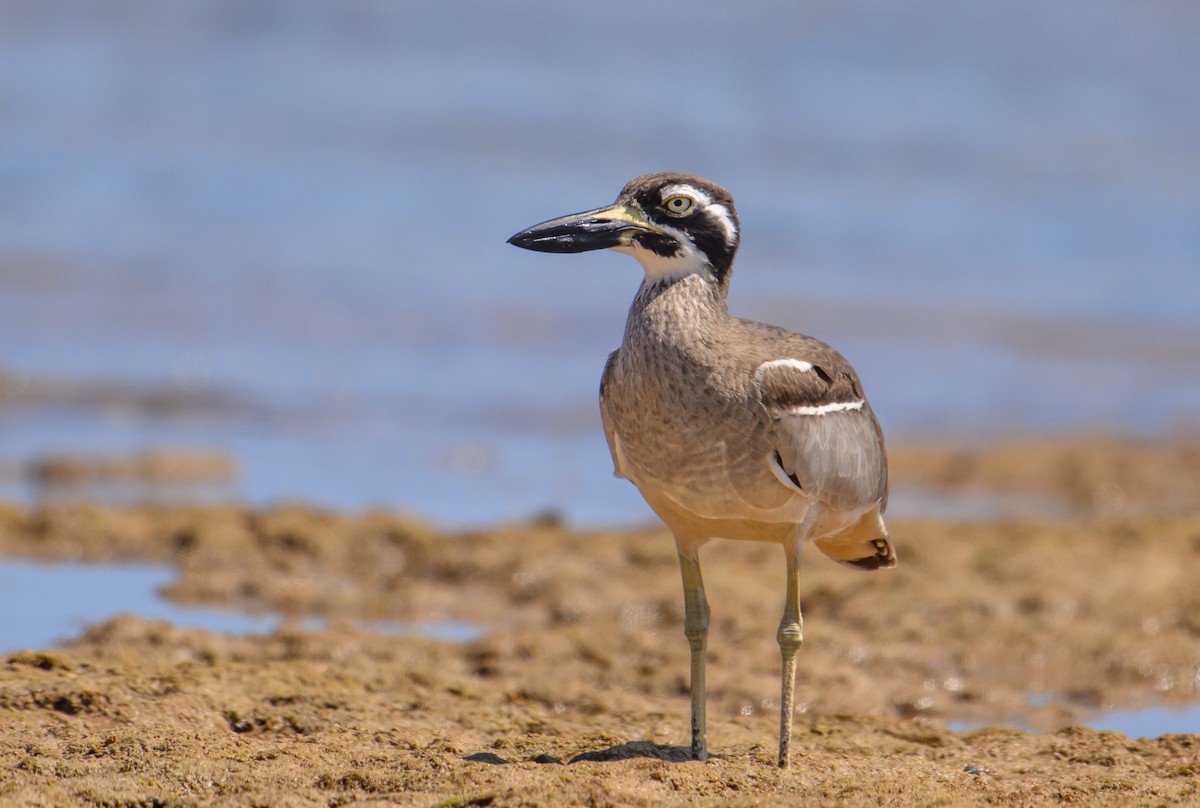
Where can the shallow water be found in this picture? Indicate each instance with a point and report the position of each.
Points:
(1146, 722)
(1150, 722)
(42, 605)
(277, 228)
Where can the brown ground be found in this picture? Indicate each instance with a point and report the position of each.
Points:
(578, 692)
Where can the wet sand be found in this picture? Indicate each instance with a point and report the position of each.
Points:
(577, 693)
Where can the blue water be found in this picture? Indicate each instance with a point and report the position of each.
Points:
(291, 214)
(1151, 722)
(1146, 722)
(42, 605)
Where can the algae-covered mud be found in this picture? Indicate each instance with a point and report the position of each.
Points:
(967, 674)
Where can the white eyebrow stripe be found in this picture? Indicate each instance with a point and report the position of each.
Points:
(687, 190)
(725, 220)
(795, 364)
(823, 409)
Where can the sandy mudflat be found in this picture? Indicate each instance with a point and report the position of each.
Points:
(577, 693)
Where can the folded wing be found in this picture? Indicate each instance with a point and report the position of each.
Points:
(827, 441)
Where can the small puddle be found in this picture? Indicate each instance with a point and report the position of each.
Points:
(1150, 722)
(42, 605)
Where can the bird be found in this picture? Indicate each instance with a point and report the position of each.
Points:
(729, 428)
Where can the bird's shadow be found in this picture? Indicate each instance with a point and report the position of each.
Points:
(622, 751)
(636, 749)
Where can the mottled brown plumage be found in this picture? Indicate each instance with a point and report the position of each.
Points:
(729, 428)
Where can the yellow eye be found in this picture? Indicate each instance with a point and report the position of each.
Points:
(679, 205)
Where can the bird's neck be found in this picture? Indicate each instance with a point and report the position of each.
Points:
(669, 309)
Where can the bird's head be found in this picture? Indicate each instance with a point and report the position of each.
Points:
(673, 224)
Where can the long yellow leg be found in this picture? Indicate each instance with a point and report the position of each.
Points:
(791, 634)
(695, 628)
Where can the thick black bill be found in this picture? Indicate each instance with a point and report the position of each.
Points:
(592, 230)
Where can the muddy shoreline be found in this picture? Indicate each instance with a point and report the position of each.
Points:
(1037, 623)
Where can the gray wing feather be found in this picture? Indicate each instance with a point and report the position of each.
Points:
(835, 454)
(837, 458)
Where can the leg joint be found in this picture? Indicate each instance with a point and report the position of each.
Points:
(790, 637)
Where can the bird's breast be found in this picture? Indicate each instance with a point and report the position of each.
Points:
(690, 429)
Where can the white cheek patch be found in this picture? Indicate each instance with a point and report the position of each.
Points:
(689, 261)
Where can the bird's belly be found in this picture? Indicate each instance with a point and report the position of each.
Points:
(707, 506)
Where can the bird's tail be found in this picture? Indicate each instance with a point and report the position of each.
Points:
(864, 545)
